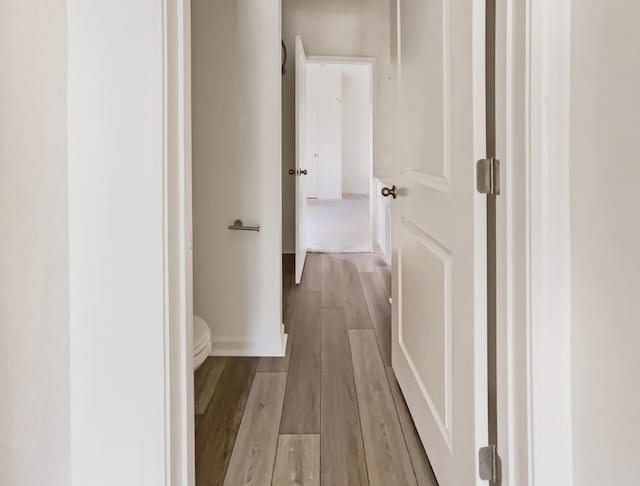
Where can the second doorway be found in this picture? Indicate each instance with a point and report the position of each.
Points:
(339, 154)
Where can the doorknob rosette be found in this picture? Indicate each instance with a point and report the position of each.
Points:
(389, 191)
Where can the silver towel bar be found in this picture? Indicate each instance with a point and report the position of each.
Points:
(238, 225)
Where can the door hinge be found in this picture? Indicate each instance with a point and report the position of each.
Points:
(489, 464)
(488, 176)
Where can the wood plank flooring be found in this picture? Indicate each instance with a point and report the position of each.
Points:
(342, 452)
(380, 312)
(329, 413)
(301, 412)
(253, 455)
(218, 427)
(298, 460)
(386, 451)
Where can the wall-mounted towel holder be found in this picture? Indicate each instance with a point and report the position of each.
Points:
(238, 225)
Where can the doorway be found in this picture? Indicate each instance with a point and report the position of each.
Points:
(423, 267)
(338, 150)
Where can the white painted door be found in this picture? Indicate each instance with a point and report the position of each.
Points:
(313, 155)
(301, 198)
(439, 248)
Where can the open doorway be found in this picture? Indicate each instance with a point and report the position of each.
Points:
(288, 374)
(338, 150)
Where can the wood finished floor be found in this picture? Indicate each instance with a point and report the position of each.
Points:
(330, 413)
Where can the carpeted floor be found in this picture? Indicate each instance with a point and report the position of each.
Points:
(339, 225)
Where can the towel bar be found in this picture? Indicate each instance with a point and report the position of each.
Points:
(238, 225)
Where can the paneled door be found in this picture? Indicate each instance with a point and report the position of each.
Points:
(439, 232)
(301, 152)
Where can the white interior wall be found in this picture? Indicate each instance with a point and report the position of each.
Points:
(237, 163)
(344, 137)
(34, 292)
(117, 260)
(356, 127)
(338, 28)
(324, 88)
(605, 235)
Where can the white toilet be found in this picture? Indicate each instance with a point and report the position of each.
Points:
(201, 341)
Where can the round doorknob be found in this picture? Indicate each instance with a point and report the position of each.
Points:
(292, 172)
(386, 191)
(303, 171)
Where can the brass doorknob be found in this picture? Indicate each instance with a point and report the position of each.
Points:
(386, 191)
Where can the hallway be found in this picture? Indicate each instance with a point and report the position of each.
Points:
(328, 413)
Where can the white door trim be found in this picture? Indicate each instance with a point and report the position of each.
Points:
(367, 61)
(534, 314)
(179, 399)
(533, 245)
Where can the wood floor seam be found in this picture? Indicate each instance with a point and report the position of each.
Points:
(419, 461)
(357, 399)
(275, 457)
(381, 428)
(233, 445)
(258, 433)
(325, 414)
(404, 434)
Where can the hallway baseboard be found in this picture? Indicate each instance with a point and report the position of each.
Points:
(248, 348)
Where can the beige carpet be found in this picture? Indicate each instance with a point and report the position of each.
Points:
(338, 225)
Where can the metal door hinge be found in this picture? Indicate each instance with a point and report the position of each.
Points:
(488, 176)
(489, 464)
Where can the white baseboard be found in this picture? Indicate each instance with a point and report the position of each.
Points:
(250, 348)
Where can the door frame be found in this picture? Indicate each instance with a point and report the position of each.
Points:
(372, 62)
(533, 243)
(179, 388)
(533, 310)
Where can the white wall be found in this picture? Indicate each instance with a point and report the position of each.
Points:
(338, 28)
(344, 155)
(605, 234)
(237, 164)
(324, 88)
(34, 328)
(356, 128)
(117, 242)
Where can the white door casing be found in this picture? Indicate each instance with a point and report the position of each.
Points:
(439, 225)
(301, 198)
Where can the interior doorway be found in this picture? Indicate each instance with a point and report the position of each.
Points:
(338, 153)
